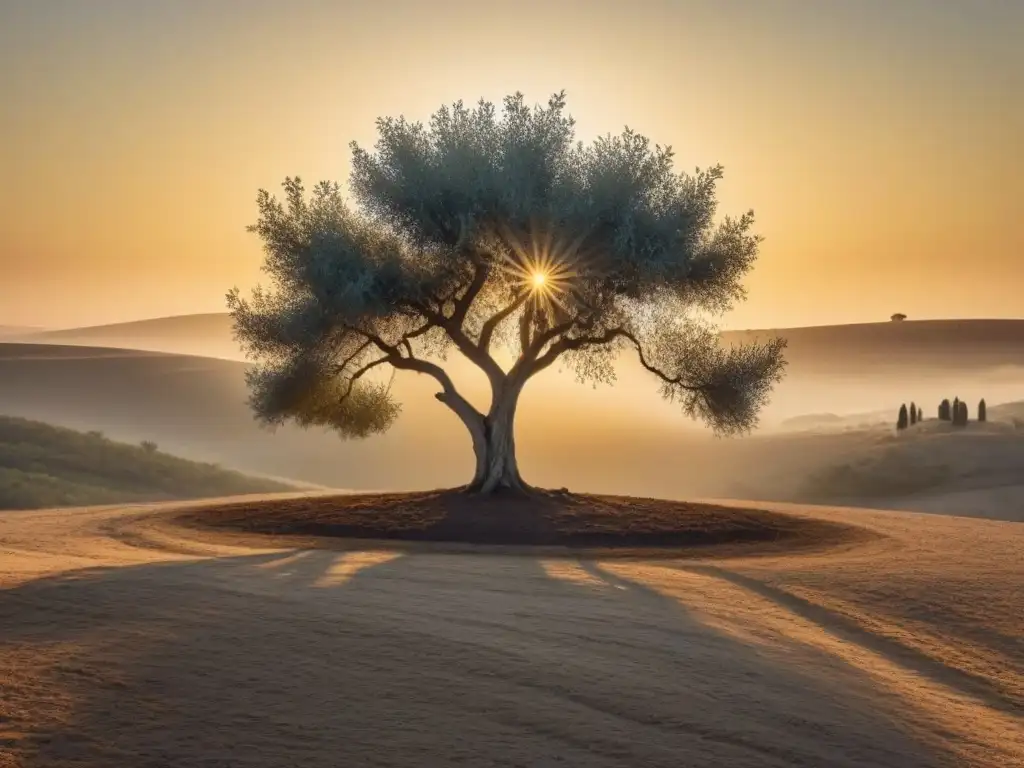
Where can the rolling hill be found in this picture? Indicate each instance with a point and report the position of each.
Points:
(196, 407)
(844, 369)
(828, 349)
(18, 331)
(202, 334)
(46, 466)
(889, 346)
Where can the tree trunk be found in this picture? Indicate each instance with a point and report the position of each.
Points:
(496, 466)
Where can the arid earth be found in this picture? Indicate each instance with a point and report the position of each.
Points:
(127, 640)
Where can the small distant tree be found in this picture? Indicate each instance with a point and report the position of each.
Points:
(913, 413)
(148, 446)
(959, 413)
(920, 414)
(982, 411)
(482, 229)
(945, 413)
(902, 419)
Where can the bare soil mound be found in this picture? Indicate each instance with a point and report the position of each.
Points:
(540, 519)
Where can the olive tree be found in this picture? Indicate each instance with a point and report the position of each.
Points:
(482, 229)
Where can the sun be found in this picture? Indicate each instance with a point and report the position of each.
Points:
(541, 271)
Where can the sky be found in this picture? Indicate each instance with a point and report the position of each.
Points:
(878, 141)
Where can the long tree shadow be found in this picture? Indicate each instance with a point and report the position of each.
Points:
(956, 712)
(315, 658)
(905, 655)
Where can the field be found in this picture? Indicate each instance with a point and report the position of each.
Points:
(131, 641)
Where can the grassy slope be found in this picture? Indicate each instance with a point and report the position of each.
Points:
(930, 457)
(46, 466)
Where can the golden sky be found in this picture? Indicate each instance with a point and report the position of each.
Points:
(879, 141)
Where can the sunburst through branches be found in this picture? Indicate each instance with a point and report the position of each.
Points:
(542, 267)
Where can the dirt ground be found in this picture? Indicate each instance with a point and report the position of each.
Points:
(128, 641)
(541, 518)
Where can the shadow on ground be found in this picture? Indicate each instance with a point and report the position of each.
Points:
(317, 658)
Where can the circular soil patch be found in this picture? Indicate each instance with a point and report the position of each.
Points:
(541, 519)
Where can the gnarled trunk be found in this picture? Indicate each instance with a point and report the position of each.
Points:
(493, 435)
(495, 449)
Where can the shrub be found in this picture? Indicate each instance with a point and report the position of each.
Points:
(149, 446)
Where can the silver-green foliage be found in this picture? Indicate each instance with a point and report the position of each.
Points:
(448, 218)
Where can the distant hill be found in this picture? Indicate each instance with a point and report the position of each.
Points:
(841, 369)
(11, 331)
(1007, 411)
(208, 335)
(196, 407)
(811, 420)
(890, 346)
(822, 350)
(46, 466)
(978, 469)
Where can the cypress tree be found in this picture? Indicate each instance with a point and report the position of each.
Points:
(920, 414)
(913, 413)
(944, 410)
(901, 420)
(982, 411)
(959, 414)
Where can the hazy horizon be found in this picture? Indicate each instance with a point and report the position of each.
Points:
(877, 144)
(729, 328)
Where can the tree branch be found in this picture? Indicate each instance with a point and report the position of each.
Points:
(390, 350)
(359, 374)
(465, 345)
(524, 330)
(531, 352)
(462, 305)
(674, 380)
(449, 395)
(344, 363)
(419, 331)
(568, 345)
(487, 331)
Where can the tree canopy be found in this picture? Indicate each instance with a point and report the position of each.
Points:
(479, 229)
